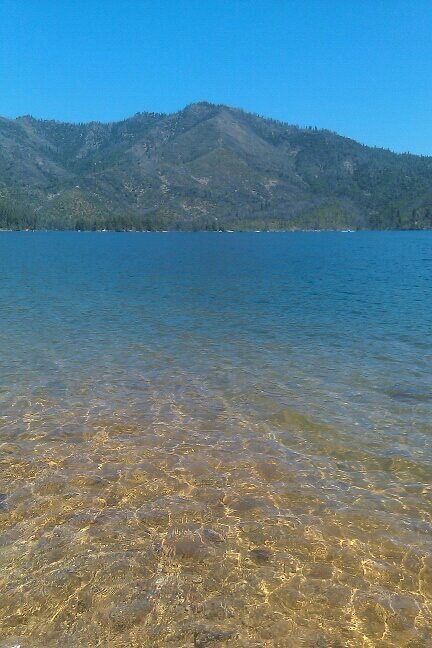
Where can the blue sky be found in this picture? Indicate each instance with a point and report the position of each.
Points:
(362, 68)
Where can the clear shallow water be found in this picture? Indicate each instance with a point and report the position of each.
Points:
(216, 440)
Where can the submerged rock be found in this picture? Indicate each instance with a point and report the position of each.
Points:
(210, 535)
(206, 637)
(292, 419)
(125, 615)
(184, 545)
(217, 607)
(260, 555)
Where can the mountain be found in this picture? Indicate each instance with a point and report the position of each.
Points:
(204, 167)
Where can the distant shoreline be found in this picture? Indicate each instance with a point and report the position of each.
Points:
(204, 231)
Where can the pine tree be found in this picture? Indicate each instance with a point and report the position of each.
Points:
(398, 220)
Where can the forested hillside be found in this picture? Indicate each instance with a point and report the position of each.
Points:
(205, 167)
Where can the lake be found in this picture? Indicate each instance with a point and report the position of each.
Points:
(216, 439)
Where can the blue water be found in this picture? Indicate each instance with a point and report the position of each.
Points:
(289, 349)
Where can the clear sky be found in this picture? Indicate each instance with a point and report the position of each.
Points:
(362, 68)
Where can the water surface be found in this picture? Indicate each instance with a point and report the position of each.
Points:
(216, 440)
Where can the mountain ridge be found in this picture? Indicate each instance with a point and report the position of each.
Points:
(207, 166)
